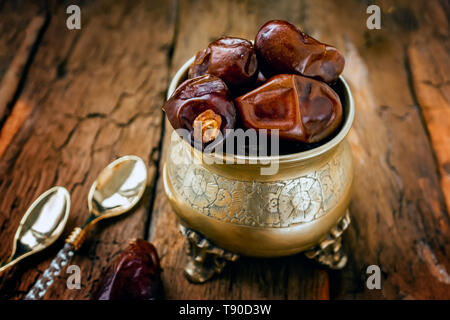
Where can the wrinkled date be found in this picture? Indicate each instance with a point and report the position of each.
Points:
(302, 109)
(203, 106)
(231, 59)
(134, 275)
(282, 48)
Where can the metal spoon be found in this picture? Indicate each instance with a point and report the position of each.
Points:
(41, 225)
(118, 188)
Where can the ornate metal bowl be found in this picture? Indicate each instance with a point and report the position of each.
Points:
(228, 209)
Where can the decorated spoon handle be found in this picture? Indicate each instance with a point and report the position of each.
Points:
(73, 243)
(46, 280)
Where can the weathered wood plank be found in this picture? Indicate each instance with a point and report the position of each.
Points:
(11, 78)
(20, 28)
(95, 95)
(287, 278)
(15, 17)
(400, 221)
(429, 61)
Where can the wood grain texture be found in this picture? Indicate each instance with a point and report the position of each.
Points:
(12, 125)
(20, 29)
(429, 61)
(400, 221)
(15, 17)
(95, 95)
(10, 81)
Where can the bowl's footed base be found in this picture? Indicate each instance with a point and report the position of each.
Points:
(329, 252)
(205, 259)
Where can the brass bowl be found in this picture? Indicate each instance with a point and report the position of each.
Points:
(233, 207)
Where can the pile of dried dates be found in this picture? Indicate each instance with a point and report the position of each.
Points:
(281, 82)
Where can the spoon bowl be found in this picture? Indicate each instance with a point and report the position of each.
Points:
(42, 224)
(118, 187)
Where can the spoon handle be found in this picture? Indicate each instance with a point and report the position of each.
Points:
(46, 280)
(6, 266)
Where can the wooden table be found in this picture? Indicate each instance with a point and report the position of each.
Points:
(71, 101)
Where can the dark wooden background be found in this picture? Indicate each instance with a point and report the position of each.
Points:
(71, 101)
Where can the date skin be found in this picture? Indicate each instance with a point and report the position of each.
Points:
(134, 275)
(231, 59)
(282, 48)
(301, 108)
(195, 96)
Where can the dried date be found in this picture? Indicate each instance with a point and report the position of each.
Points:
(134, 275)
(231, 59)
(301, 108)
(203, 106)
(282, 48)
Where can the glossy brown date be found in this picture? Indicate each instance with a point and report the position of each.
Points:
(134, 275)
(231, 59)
(282, 48)
(301, 108)
(203, 106)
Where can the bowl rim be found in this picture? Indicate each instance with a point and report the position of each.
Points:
(285, 158)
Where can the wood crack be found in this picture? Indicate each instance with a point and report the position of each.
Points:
(157, 162)
(410, 82)
(14, 79)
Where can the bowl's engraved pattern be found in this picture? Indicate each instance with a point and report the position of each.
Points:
(254, 203)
